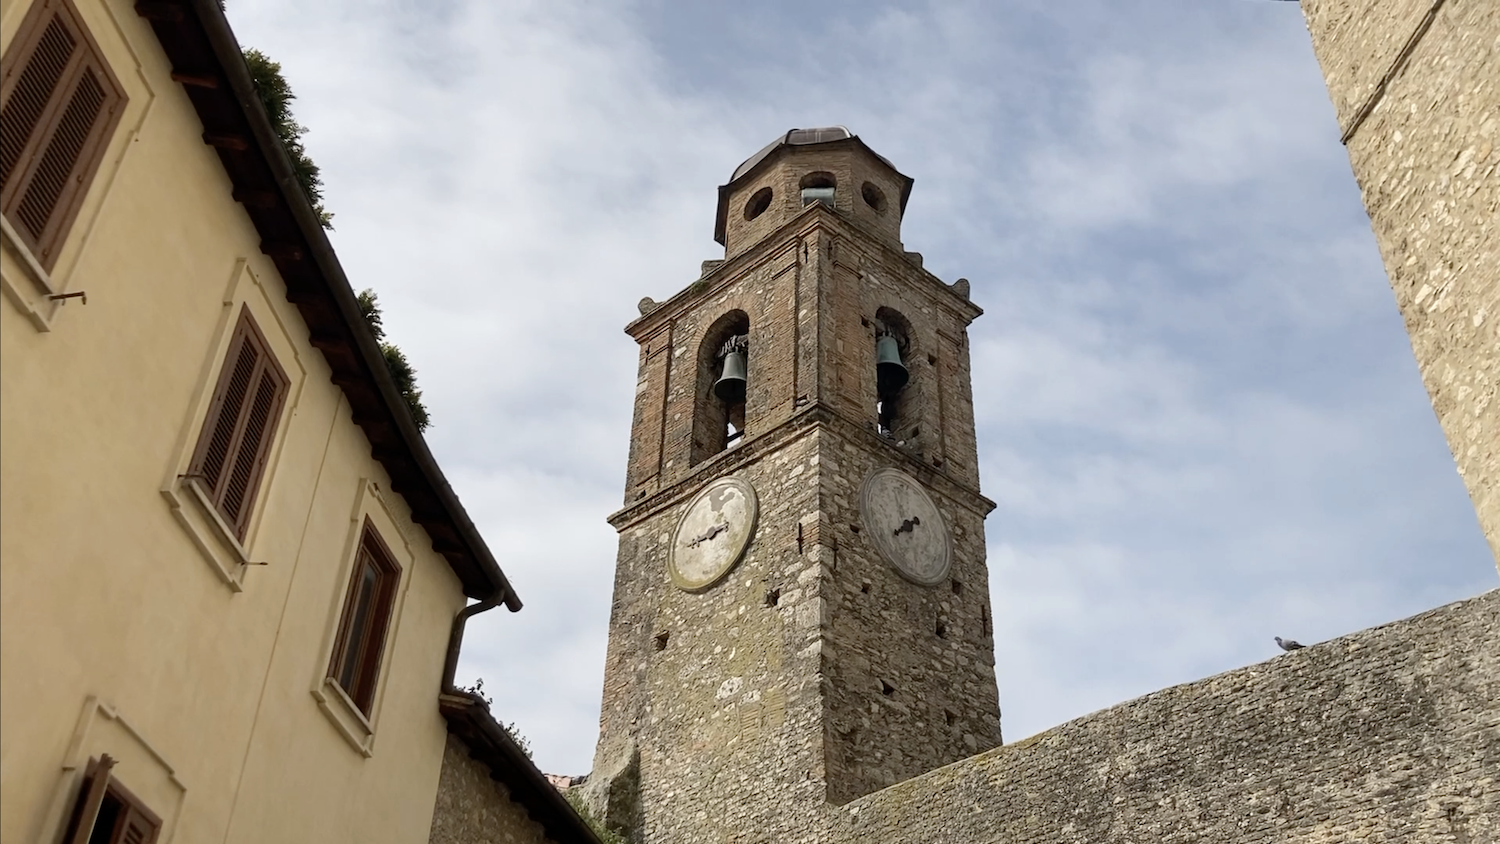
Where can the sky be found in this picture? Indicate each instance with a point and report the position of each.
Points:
(1198, 411)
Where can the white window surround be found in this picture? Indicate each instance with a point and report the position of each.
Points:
(352, 724)
(102, 728)
(226, 555)
(31, 295)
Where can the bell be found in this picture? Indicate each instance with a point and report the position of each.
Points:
(730, 388)
(890, 372)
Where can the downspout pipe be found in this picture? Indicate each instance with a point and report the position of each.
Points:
(456, 634)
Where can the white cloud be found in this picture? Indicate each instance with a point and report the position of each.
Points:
(1197, 409)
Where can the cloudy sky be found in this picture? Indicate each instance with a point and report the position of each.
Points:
(1198, 410)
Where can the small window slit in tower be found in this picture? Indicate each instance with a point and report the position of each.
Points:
(887, 689)
(864, 588)
(854, 528)
(941, 630)
(661, 640)
(949, 718)
(958, 586)
(932, 360)
(773, 597)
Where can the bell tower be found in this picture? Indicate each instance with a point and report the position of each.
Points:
(800, 612)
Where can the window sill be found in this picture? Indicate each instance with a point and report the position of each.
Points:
(345, 717)
(215, 541)
(32, 294)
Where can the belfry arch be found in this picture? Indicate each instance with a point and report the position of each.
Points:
(719, 416)
(898, 402)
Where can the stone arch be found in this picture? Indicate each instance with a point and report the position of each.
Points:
(898, 412)
(718, 424)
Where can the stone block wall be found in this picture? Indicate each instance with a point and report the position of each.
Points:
(1416, 88)
(908, 670)
(1388, 735)
(472, 808)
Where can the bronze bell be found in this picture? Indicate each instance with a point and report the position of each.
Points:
(890, 372)
(730, 388)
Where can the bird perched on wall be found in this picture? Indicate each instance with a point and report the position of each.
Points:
(1289, 644)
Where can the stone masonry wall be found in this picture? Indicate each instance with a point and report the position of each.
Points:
(908, 669)
(472, 808)
(1416, 88)
(1388, 735)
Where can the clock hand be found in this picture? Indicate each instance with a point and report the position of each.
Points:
(708, 534)
(907, 525)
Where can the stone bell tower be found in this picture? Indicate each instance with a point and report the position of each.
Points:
(801, 610)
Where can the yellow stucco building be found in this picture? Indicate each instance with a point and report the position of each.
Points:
(232, 578)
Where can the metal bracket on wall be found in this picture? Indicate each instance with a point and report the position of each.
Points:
(63, 297)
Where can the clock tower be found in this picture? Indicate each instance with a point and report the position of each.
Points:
(801, 607)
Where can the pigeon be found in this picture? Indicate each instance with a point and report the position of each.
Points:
(1289, 644)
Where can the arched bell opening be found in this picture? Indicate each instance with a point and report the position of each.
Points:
(723, 381)
(818, 187)
(895, 405)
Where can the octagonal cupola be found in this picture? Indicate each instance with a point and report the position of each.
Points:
(831, 167)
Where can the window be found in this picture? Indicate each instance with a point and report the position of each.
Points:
(236, 440)
(355, 665)
(59, 102)
(818, 187)
(107, 813)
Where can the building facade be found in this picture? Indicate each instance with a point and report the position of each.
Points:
(232, 578)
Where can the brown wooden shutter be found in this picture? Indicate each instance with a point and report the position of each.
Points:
(241, 423)
(59, 103)
(90, 798)
(135, 825)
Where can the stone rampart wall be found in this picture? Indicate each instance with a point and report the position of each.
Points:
(1390, 734)
(472, 808)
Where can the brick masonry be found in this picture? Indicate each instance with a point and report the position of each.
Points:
(1416, 87)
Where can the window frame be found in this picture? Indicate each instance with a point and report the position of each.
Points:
(368, 653)
(98, 787)
(217, 483)
(35, 148)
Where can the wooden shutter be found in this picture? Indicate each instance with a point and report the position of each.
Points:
(368, 606)
(135, 824)
(59, 103)
(236, 438)
(90, 799)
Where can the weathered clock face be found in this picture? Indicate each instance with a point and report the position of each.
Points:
(906, 526)
(712, 534)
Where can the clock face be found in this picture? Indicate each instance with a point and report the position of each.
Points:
(712, 534)
(906, 526)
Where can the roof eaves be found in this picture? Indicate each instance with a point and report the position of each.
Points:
(195, 33)
(469, 718)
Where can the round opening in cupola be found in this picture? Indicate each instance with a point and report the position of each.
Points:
(759, 202)
(873, 196)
